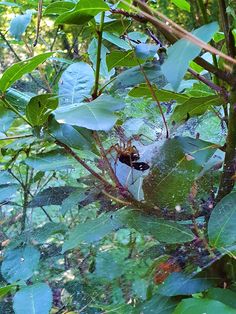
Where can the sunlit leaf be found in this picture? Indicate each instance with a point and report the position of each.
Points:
(17, 70)
(180, 284)
(162, 230)
(184, 51)
(76, 83)
(197, 306)
(20, 263)
(221, 226)
(95, 115)
(35, 299)
(39, 108)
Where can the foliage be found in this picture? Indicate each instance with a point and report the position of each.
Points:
(117, 165)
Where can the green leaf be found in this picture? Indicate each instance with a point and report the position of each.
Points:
(52, 196)
(180, 284)
(182, 4)
(10, 4)
(72, 200)
(118, 27)
(59, 7)
(145, 51)
(6, 117)
(17, 70)
(92, 51)
(184, 51)
(42, 234)
(138, 36)
(194, 106)
(176, 165)
(225, 296)
(122, 58)
(134, 76)
(73, 136)
(110, 264)
(17, 98)
(158, 305)
(39, 108)
(199, 306)
(76, 83)
(5, 290)
(53, 160)
(20, 263)
(162, 230)
(92, 230)
(95, 115)
(84, 11)
(221, 226)
(19, 24)
(116, 40)
(162, 95)
(35, 299)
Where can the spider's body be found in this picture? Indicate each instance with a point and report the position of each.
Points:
(128, 154)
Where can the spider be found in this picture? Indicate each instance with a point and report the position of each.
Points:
(128, 154)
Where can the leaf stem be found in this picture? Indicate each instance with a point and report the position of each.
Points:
(98, 63)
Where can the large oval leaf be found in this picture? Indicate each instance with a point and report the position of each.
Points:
(20, 263)
(76, 83)
(93, 230)
(184, 51)
(59, 7)
(221, 226)
(71, 135)
(134, 76)
(163, 230)
(35, 299)
(200, 306)
(95, 115)
(53, 160)
(180, 284)
(19, 24)
(17, 70)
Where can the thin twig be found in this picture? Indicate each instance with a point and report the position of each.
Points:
(15, 137)
(221, 91)
(156, 100)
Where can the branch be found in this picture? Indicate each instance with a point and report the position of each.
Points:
(221, 91)
(103, 154)
(225, 76)
(98, 63)
(76, 157)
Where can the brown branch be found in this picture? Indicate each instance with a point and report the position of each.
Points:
(229, 38)
(179, 31)
(104, 156)
(221, 91)
(225, 76)
(76, 157)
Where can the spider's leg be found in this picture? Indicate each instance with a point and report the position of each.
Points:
(132, 170)
(116, 160)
